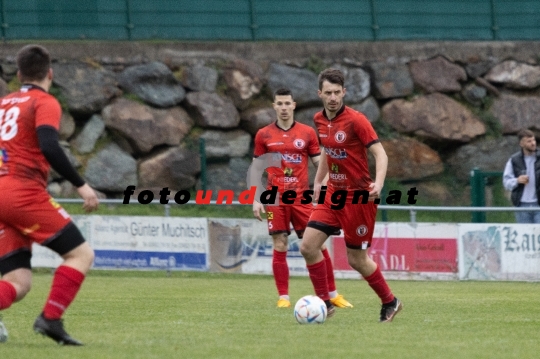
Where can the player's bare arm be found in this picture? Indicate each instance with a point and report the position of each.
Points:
(381, 165)
(322, 173)
(255, 170)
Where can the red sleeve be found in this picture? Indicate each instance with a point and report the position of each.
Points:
(48, 112)
(364, 130)
(313, 145)
(260, 148)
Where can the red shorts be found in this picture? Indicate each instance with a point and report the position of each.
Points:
(27, 214)
(279, 218)
(356, 220)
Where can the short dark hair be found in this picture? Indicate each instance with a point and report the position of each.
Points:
(33, 62)
(283, 91)
(525, 133)
(334, 76)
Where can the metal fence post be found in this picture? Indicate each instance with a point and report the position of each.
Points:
(478, 195)
(202, 154)
(253, 26)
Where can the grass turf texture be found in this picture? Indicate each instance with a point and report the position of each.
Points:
(203, 315)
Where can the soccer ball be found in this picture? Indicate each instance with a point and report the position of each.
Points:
(310, 310)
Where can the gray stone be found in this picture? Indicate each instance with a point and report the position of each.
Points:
(199, 78)
(87, 90)
(486, 154)
(516, 112)
(227, 176)
(303, 83)
(390, 80)
(111, 170)
(211, 110)
(91, 132)
(223, 144)
(174, 168)
(305, 116)
(515, 75)
(474, 94)
(437, 75)
(244, 81)
(67, 126)
(154, 83)
(253, 119)
(433, 116)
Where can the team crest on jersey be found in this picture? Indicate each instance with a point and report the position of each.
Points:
(361, 230)
(299, 143)
(340, 136)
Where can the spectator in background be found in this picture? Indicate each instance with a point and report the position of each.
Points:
(522, 177)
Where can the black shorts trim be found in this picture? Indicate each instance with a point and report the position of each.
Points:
(17, 260)
(325, 228)
(356, 247)
(279, 232)
(68, 239)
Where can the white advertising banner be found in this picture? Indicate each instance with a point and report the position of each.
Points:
(499, 251)
(244, 246)
(140, 242)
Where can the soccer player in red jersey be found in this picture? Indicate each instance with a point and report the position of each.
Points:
(346, 135)
(295, 142)
(29, 122)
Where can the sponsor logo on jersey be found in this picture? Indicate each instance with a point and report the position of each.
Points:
(340, 136)
(274, 144)
(335, 168)
(3, 156)
(290, 180)
(288, 171)
(336, 153)
(338, 176)
(323, 135)
(270, 215)
(299, 143)
(292, 157)
(361, 230)
(14, 100)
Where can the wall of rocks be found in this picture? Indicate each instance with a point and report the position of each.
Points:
(134, 112)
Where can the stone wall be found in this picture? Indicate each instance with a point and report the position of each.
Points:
(134, 112)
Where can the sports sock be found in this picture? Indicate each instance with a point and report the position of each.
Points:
(317, 274)
(8, 293)
(329, 271)
(281, 272)
(66, 284)
(377, 282)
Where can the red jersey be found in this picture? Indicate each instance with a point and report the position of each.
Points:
(295, 146)
(20, 114)
(345, 139)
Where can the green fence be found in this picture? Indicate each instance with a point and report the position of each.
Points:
(271, 19)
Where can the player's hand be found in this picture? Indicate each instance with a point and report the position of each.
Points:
(91, 201)
(316, 192)
(374, 191)
(257, 209)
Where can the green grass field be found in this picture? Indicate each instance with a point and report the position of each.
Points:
(204, 315)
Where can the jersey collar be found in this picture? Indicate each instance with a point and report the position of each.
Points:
(282, 129)
(339, 112)
(28, 87)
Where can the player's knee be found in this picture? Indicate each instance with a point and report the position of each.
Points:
(281, 243)
(22, 289)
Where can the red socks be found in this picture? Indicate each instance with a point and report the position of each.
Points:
(65, 286)
(377, 282)
(329, 271)
(7, 294)
(318, 275)
(281, 272)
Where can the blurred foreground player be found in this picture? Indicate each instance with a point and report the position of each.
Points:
(295, 142)
(29, 122)
(346, 136)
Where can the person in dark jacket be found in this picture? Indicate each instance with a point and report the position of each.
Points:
(522, 177)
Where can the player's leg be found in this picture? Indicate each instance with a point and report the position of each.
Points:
(16, 276)
(358, 225)
(68, 278)
(278, 219)
(300, 217)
